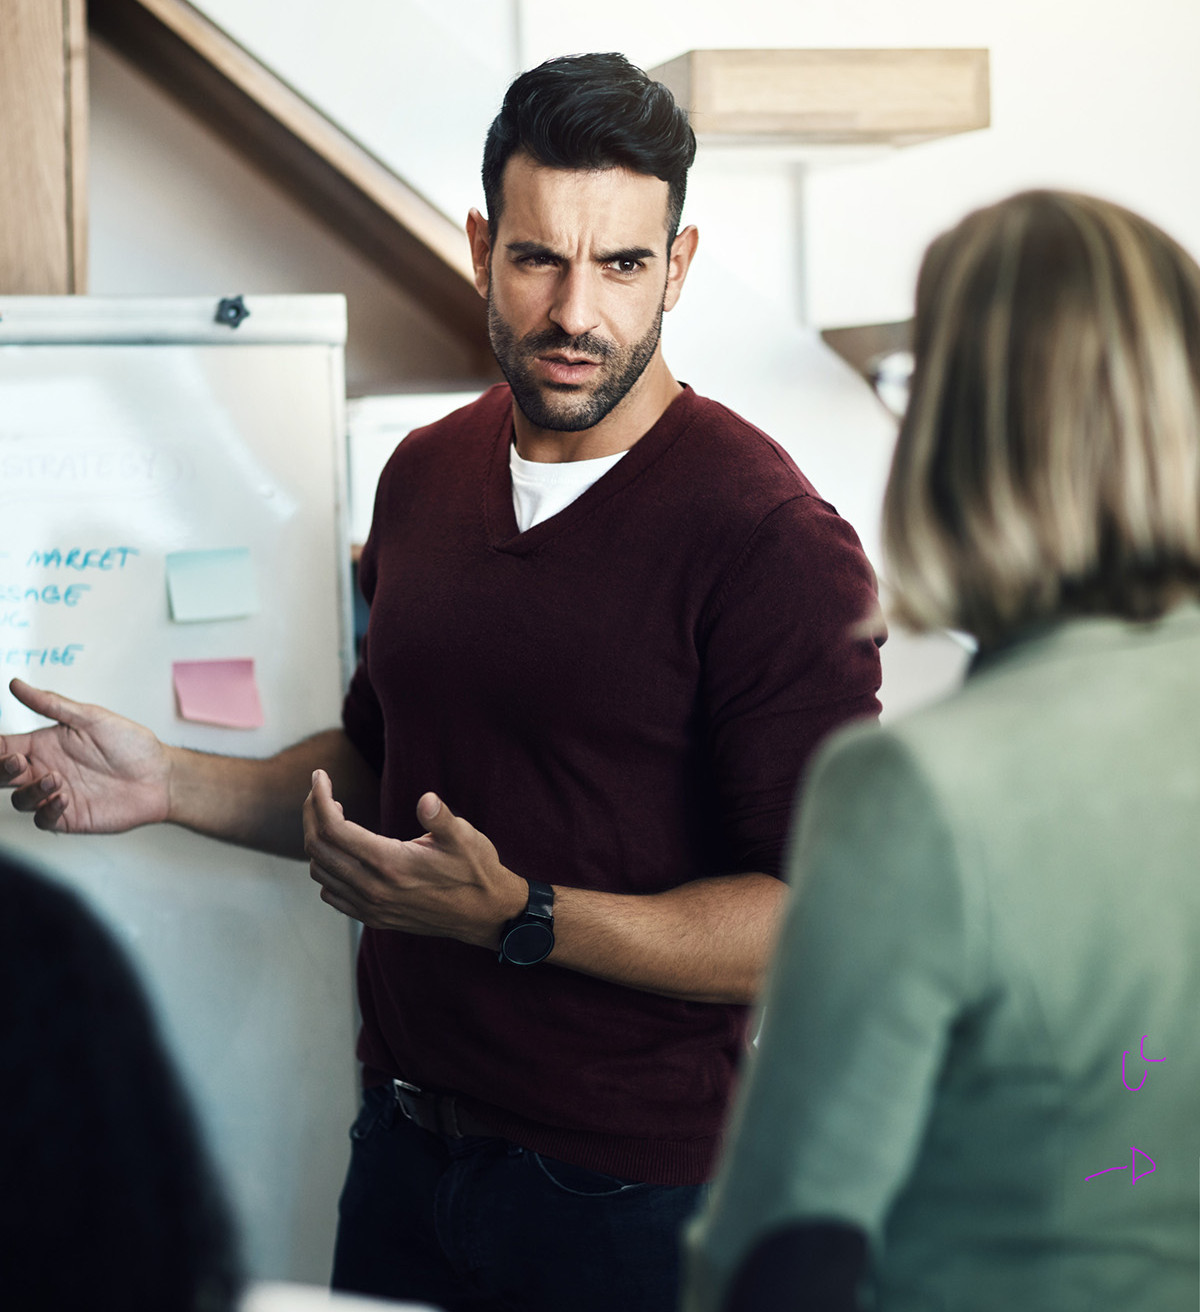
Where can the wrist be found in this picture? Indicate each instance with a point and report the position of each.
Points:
(174, 787)
(188, 787)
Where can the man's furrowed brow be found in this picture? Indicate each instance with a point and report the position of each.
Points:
(531, 248)
(522, 248)
(632, 253)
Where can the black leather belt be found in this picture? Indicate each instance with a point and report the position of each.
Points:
(439, 1113)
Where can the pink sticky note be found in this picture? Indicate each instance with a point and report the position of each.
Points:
(218, 692)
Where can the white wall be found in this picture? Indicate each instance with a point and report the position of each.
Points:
(1085, 93)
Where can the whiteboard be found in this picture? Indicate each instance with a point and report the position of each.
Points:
(132, 429)
(375, 427)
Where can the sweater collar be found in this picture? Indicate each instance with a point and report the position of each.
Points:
(500, 519)
(1072, 634)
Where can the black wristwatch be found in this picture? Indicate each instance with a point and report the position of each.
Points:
(529, 938)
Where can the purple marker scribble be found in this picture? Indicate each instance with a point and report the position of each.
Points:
(1106, 1170)
(1135, 1153)
(1133, 1088)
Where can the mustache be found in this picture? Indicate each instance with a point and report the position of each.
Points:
(554, 339)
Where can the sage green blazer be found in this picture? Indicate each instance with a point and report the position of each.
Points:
(984, 1015)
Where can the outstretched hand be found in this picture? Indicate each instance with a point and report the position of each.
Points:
(448, 883)
(93, 772)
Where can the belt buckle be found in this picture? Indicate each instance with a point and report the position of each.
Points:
(440, 1111)
(401, 1092)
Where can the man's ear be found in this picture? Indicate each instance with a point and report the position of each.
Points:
(683, 249)
(480, 238)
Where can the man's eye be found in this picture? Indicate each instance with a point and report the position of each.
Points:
(627, 266)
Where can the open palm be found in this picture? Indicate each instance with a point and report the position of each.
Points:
(93, 772)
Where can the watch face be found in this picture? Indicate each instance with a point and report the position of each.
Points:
(528, 943)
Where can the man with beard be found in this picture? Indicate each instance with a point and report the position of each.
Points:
(609, 622)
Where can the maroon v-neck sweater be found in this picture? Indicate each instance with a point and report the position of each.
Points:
(621, 698)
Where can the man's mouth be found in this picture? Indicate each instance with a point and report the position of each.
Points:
(560, 368)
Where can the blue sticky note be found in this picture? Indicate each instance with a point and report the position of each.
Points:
(211, 585)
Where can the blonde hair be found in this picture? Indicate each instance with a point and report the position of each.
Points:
(1049, 459)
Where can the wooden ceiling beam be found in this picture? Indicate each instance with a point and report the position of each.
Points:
(286, 137)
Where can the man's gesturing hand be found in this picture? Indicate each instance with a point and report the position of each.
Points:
(448, 883)
(93, 772)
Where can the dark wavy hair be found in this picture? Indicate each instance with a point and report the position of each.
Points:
(591, 112)
(107, 1200)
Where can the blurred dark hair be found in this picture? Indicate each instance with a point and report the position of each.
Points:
(108, 1200)
(591, 112)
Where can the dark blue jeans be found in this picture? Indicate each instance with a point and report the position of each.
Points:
(481, 1225)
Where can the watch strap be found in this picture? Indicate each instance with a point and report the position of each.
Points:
(541, 900)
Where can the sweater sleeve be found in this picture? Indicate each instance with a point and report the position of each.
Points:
(789, 653)
(362, 716)
(873, 966)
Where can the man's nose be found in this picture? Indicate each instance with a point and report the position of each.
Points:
(575, 308)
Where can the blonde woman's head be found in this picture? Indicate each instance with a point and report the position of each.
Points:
(1049, 459)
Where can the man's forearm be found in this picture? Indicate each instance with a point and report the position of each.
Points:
(257, 803)
(707, 941)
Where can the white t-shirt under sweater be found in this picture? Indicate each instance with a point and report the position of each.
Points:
(541, 488)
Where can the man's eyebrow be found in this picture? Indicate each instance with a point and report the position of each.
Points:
(633, 253)
(605, 257)
(530, 248)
